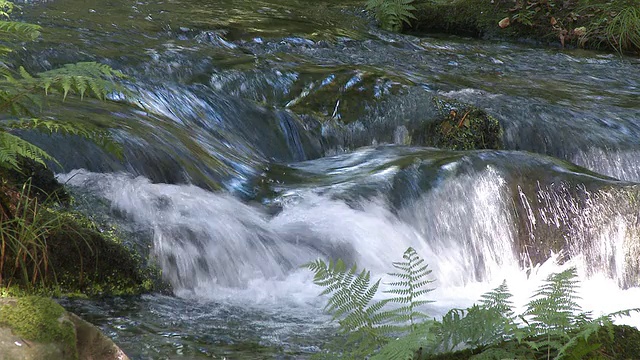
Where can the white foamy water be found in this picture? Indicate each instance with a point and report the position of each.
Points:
(213, 246)
(623, 165)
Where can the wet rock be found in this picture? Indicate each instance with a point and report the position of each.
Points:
(43, 182)
(37, 328)
(596, 221)
(92, 344)
(461, 127)
(81, 257)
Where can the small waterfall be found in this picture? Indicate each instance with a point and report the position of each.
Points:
(206, 240)
(620, 164)
(598, 230)
(469, 225)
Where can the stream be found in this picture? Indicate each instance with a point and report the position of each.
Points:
(266, 134)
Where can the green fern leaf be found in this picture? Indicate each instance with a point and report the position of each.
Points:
(99, 136)
(422, 340)
(412, 284)
(392, 13)
(13, 30)
(13, 147)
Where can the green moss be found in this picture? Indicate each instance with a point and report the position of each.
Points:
(97, 263)
(461, 127)
(625, 343)
(39, 319)
(81, 258)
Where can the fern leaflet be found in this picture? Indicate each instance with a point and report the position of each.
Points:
(412, 284)
(13, 147)
(392, 13)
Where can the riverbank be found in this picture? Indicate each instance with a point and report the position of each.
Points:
(47, 249)
(612, 25)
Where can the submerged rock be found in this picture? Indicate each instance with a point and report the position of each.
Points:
(37, 328)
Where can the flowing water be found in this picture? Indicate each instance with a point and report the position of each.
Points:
(266, 134)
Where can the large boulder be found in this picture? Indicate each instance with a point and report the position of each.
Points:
(37, 328)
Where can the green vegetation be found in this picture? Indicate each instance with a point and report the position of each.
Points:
(621, 30)
(47, 250)
(40, 319)
(460, 127)
(22, 93)
(364, 322)
(391, 14)
(23, 246)
(553, 325)
(595, 24)
(44, 248)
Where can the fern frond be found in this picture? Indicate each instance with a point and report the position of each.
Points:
(392, 13)
(13, 147)
(490, 322)
(365, 322)
(553, 307)
(351, 294)
(99, 136)
(581, 337)
(13, 30)
(78, 78)
(412, 284)
(422, 340)
(499, 299)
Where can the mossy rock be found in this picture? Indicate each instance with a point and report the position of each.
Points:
(461, 127)
(39, 320)
(85, 260)
(37, 328)
(41, 180)
(80, 259)
(92, 344)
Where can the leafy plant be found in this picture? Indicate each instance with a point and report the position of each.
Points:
(554, 326)
(411, 285)
(623, 31)
(552, 312)
(421, 340)
(367, 325)
(350, 303)
(22, 94)
(23, 240)
(12, 147)
(490, 322)
(392, 13)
